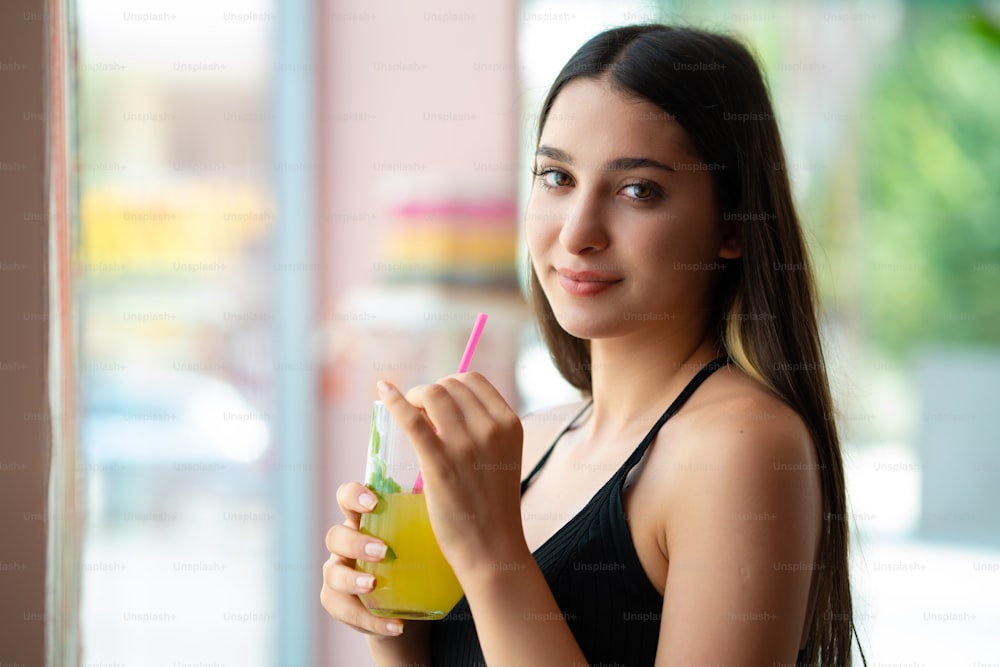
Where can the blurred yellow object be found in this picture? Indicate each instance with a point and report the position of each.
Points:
(437, 249)
(187, 226)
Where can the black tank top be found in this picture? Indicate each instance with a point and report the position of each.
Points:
(594, 572)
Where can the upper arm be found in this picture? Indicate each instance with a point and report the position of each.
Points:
(742, 535)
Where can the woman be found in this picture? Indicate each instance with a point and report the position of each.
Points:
(668, 272)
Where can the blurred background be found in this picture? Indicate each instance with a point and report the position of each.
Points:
(280, 202)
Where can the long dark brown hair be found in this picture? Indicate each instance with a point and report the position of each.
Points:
(764, 312)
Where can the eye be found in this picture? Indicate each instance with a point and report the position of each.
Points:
(641, 190)
(553, 178)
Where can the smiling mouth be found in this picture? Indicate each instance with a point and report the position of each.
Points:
(585, 283)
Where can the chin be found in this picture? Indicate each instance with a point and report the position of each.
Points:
(588, 326)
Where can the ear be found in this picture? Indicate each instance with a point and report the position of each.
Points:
(732, 239)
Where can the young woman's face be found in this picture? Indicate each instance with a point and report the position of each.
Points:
(621, 224)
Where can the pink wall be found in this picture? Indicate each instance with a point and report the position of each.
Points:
(377, 115)
(418, 97)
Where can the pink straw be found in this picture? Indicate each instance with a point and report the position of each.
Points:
(470, 347)
(463, 367)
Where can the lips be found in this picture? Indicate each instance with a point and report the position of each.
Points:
(585, 283)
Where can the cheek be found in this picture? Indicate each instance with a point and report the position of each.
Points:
(540, 228)
(689, 234)
(662, 243)
(661, 250)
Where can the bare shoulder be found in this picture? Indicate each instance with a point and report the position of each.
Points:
(734, 418)
(736, 448)
(742, 520)
(542, 427)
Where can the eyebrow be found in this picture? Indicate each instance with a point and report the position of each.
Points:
(618, 164)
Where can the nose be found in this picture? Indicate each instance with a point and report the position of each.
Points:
(583, 229)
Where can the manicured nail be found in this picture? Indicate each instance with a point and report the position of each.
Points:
(394, 628)
(367, 500)
(384, 388)
(364, 581)
(375, 550)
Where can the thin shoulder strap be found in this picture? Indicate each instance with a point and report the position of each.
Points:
(548, 452)
(681, 399)
(685, 394)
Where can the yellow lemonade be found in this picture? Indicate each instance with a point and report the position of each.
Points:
(414, 580)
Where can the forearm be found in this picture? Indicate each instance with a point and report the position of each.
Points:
(411, 649)
(517, 618)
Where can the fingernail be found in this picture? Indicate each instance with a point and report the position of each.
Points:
(367, 500)
(375, 550)
(383, 387)
(364, 581)
(394, 628)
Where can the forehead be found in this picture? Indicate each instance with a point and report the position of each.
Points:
(590, 119)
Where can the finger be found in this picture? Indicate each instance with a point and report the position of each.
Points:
(409, 416)
(486, 411)
(350, 610)
(470, 410)
(450, 405)
(354, 500)
(487, 394)
(348, 543)
(343, 578)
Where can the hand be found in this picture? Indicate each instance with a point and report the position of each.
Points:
(342, 584)
(468, 442)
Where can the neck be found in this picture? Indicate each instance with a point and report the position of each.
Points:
(636, 378)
